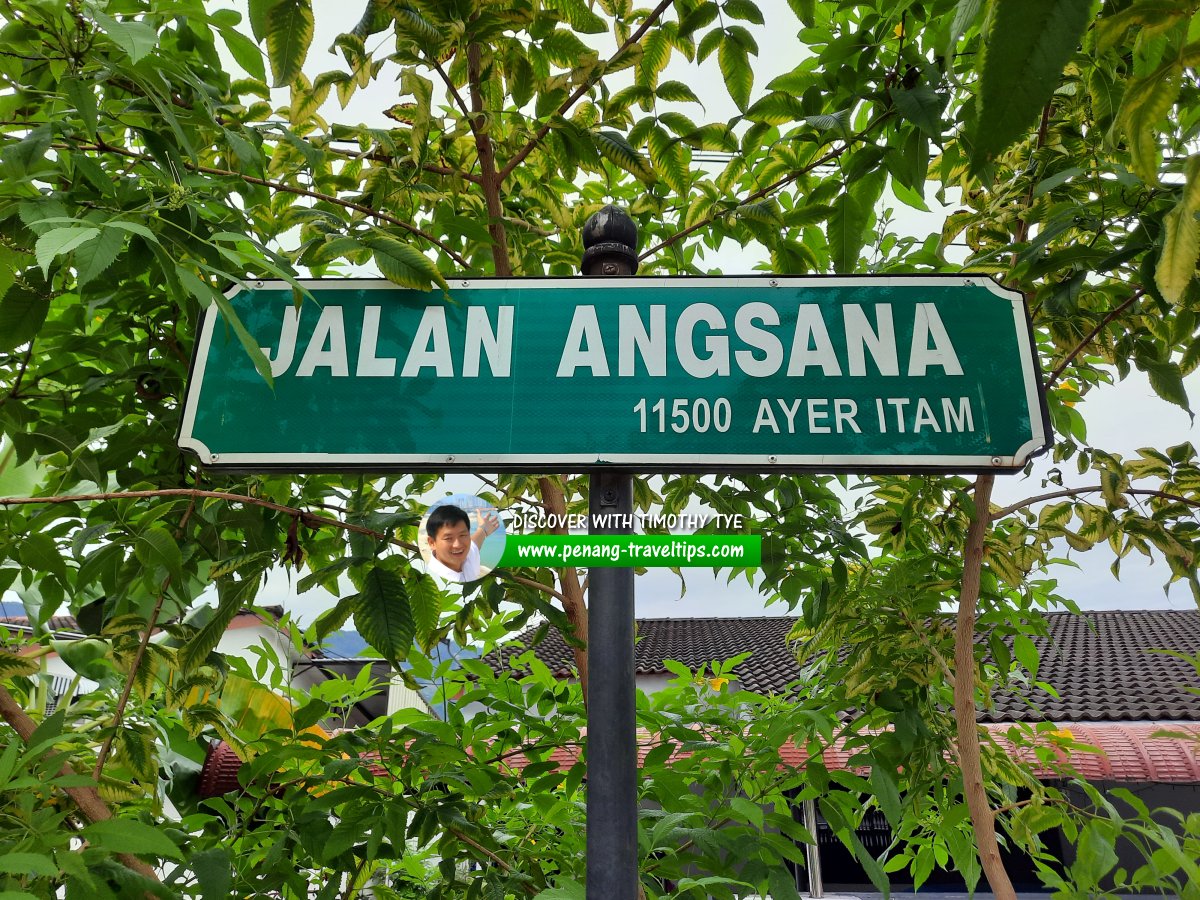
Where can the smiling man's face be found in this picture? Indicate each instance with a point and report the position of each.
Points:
(451, 544)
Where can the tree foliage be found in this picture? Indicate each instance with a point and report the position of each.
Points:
(154, 153)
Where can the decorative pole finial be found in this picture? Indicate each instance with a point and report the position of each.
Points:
(610, 239)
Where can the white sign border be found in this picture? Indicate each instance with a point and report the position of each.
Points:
(660, 462)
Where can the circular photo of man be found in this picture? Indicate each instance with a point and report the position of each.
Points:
(462, 538)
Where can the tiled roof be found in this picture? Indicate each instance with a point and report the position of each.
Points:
(1102, 664)
(56, 623)
(67, 624)
(1128, 752)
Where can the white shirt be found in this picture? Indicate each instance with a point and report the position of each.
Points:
(470, 570)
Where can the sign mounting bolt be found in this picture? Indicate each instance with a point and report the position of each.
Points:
(466, 284)
(215, 457)
(997, 461)
(258, 284)
(772, 459)
(774, 283)
(449, 459)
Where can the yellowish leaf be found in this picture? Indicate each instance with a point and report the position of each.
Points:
(1181, 243)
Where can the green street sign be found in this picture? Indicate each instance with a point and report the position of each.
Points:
(667, 374)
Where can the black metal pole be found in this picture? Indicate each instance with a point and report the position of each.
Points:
(610, 242)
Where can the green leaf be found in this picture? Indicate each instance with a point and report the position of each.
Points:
(1026, 654)
(425, 599)
(207, 295)
(58, 241)
(745, 10)
(135, 38)
(1144, 106)
(1167, 380)
(1027, 45)
(333, 619)
(776, 108)
(782, 885)
(837, 124)
(669, 158)
(848, 227)
(20, 157)
(965, 14)
(748, 810)
(715, 136)
(883, 784)
(22, 313)
(765, 211)
(39, 553)
(28, 864)
(133, 228)
(88, 657)
(128, 836)
(382, 614)
(1094, 854)
(413, 25)
(404, 264)
(214, 872)
(289, 25)
(805, 10)
(1181, 241)
(1155, 13)
(702, 15)
(156, 547)
(613, 147)
(258, 10)
(12, 664)
(922, 106)
(245, 52)
(565, 889)
(656, 53)
(94, 257)
(581, 18)
(83, 96)
(232, 597)
(676, 92)
(734, 63)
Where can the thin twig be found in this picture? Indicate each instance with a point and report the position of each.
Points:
(924, 639)
(298, 191)
(437, 66)
(119, 713)
(587, 85)
(490, 179)
(1079, 348)
(90, 804)
(759, 194)
(1075, 492)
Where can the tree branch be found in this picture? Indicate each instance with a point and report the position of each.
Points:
(119, 714)
(1092, 489)
(1052, 379)
(86, 799)
(298, 191)
(636, 36)
(388, 159)
(760, 193)
(489, 178)
(966, 720)
(458, 99)
(568, 578)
